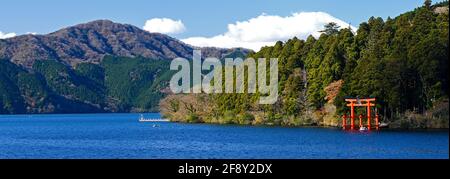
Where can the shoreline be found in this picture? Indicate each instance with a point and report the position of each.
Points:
(235, 124)
(316, 126)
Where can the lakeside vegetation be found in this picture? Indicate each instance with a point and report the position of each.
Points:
(401, 61)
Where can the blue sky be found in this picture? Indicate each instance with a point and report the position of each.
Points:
(205, 18)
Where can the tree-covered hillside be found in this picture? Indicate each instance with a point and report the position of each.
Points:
(401, 61)
(117, 84)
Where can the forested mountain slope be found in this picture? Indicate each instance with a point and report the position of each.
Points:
(401, 61)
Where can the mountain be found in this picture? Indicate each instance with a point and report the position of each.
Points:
(92, 41)
(100, 66)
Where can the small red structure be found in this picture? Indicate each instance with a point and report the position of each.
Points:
(356, 102)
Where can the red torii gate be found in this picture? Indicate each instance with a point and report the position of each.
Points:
(356, 102)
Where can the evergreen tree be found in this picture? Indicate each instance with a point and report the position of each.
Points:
(330, 28)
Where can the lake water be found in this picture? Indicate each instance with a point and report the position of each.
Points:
(108, 136)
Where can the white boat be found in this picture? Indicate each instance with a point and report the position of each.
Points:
(363, 128)
(142, 119)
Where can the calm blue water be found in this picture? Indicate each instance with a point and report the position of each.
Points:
(122, 136)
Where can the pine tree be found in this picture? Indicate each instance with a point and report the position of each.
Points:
(330, 28)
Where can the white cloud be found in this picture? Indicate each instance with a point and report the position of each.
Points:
(6, 35)
(267, 30)
(164, 25)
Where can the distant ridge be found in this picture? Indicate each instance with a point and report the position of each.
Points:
(90, 42)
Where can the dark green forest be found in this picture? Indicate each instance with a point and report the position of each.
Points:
(401, 61)
(117, 84)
